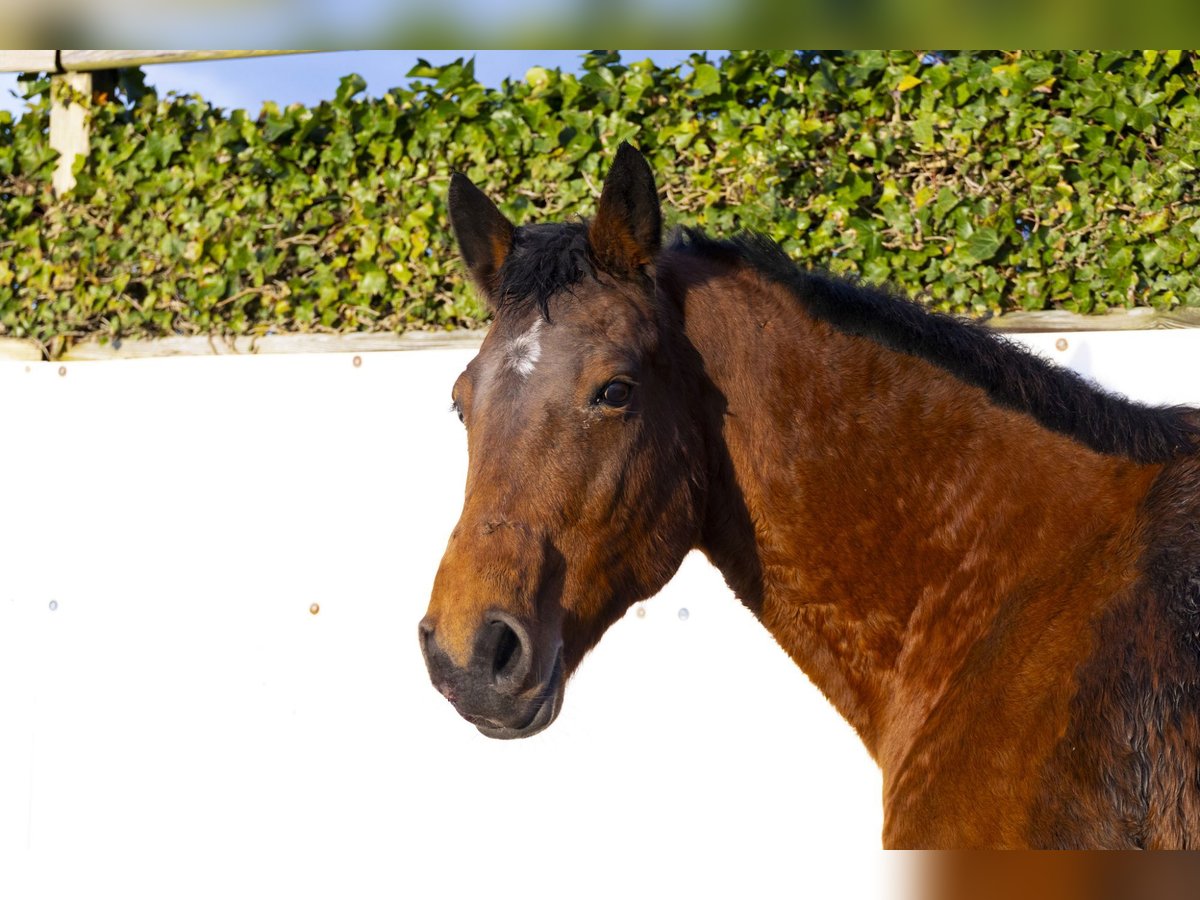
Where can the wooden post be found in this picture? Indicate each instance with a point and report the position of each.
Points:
(69, 130)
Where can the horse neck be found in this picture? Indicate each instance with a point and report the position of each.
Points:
(883, 519)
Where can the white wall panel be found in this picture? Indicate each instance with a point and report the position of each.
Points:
(174, 721)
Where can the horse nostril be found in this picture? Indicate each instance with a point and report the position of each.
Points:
(509, 653)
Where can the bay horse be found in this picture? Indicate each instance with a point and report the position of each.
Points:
(990, 566)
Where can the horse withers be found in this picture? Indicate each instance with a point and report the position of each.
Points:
(989, 566)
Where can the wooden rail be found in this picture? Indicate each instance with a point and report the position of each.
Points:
(28, 60)
(71, 77)
(58, 61)
(1141, 318)
(13, 349)
(20, 350)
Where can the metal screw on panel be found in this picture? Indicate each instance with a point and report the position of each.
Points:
(641, 612)
(1061, 344)
(357, 361)
(683, 614)
(315, 608)
(62, 370)
(53, 605)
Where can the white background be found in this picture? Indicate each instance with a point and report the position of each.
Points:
(180, 724)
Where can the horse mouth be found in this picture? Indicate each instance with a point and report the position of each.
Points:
(544, 710)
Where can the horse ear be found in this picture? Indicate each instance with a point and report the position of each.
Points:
(484, 235)
(627, 230)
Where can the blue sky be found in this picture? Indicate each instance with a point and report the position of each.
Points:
(310, 78)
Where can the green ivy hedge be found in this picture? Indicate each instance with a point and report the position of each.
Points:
(979, 181)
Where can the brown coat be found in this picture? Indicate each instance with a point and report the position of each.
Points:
(989, 566)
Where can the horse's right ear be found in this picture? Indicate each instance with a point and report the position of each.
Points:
(484, 235)
(627, 230)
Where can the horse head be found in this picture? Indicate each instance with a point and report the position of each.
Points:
(585, 473)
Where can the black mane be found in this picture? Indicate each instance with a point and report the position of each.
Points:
(544, 260)
(1012, 376)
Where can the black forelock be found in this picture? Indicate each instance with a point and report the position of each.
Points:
(545, 260)
(1012, 376)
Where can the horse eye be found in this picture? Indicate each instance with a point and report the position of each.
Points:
(457, 410)
(616, 394)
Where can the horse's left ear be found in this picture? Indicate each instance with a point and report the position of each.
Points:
(627, 230)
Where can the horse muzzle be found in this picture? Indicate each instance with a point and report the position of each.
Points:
(502, 691)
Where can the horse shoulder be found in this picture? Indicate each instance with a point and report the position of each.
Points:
(1125, 773)
(1074, 721)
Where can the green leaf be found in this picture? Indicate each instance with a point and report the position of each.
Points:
(161, 145)
(706, 80)
(922, 130)
(348, 87)
(864, 147)
(374, 279)
(1155, 222)
(423, 69)
(946, 201)
(341, 149)
(938, 75)
(983, 244)
(1122, 259)
(276, 126)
